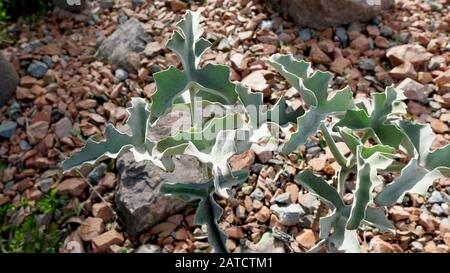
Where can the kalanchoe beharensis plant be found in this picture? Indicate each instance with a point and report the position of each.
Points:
(378, 138)
(211, 139)
(380, 141)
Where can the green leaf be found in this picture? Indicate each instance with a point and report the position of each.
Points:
(257, 112)
(321, 188)
(350, 139)
(387, 107)
(378, 218)
(295, 72)
(370, 160)
(423, 169)
(210, 82)
(342, 239)
(117, 142)
(217, 158)
(313, 88)
(208, 211)
(203, 140)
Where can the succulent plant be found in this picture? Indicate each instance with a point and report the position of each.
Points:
(377, 139)
(384, 137)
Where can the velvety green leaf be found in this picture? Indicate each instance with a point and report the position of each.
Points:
(422, 170)
(350, 139)
(370, 160)
(208, 213)
(342, 239)
(203, 140)
(217, 158)
(258, 113)
(321, 188)
(211, 82)
(198, 190)
(313, 88)
(387, 107)
(378, 218)
(170, 84)
(117, 142)
(295, 71)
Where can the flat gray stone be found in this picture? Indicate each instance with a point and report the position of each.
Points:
(9, 81)
(125, 46)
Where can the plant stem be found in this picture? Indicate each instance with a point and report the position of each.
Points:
(322, 211)
(193, 114)
(332, 145)
(342, 177)
(397, 167)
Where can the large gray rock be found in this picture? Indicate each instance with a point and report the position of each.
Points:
(9, 80)
(125, 46)
(324, 13)
(138, 199)
(75, 6)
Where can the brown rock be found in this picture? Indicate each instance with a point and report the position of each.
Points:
(152, 49)
(398, 213)
(382, 42)
(443, 79)
(37, 131)
(242, 161)
(73, 186)
(91, 228)
(377, 245)
(63, 127)
(424, 77)
(413, 90)
(235, 233)
(342, 147)
(87, 104)
(318, 163)
(163, 229)
(177, 5)
(361, 43)
(248, 203)
(245, 35)
(102, 211)
(318, 56)
(403, 71)
(320, 14)
(237, 60)
(263, 214)
(181, 234)
(50, 49)
(293, 191)
(256, 81)
(447, 239)
(446, 99)
(430, 247)
(327, 46)
(414, 54)
(340, 64)
(439, 126)
(103, 242)
(73, 244)
(306, 238)
(27, 81)
(426, 221)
